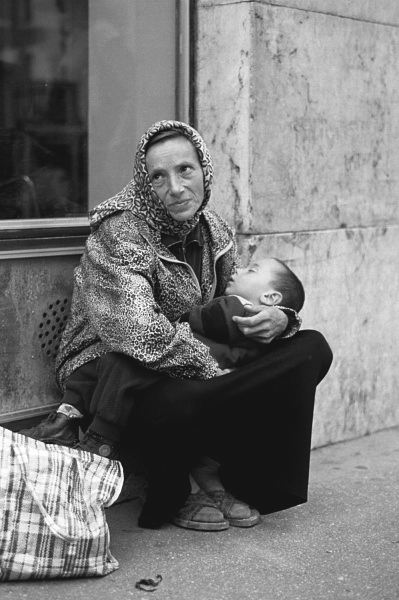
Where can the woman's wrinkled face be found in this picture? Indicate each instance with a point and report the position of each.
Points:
(176, 175)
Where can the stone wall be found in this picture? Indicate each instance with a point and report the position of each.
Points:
(298, 101)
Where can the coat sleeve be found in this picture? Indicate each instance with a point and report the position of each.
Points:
(118, 294)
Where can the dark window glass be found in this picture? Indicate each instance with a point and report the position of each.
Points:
(43, 108)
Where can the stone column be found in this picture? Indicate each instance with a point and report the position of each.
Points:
(298, 101)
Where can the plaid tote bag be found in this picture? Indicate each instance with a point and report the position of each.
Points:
(52, 518)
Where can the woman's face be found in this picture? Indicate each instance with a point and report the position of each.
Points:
(176, 176)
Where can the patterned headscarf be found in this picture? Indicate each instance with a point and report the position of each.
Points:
(140, 197)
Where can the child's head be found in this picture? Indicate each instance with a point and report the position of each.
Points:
(268, 281)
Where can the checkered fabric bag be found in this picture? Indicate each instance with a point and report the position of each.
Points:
(52, 518)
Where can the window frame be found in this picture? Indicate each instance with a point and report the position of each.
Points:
(29, 238)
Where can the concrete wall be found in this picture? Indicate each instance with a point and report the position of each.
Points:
(298, 101)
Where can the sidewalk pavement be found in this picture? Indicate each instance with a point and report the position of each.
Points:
(343, 544)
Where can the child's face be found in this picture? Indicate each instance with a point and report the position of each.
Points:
(253, 281)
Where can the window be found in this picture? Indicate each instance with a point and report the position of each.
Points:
(43, 108)
(80, 81)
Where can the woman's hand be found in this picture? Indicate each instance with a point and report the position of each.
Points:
(263, 323)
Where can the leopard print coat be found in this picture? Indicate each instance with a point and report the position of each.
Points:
(130, 290)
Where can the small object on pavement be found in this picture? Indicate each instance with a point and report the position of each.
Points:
(148, 585)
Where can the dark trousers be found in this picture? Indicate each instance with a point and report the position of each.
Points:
(256, 421)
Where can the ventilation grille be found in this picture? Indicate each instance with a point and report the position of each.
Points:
(52, 325)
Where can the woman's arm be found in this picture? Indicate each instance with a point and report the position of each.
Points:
(117, 287)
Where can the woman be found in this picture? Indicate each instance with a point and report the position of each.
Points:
(155, 251)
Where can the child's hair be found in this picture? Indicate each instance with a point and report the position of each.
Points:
(290, 286)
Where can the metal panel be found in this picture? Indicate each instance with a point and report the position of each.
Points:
(34, 299)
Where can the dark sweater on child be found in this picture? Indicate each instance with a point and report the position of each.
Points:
(212, 325)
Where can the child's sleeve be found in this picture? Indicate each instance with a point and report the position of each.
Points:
(214, 320)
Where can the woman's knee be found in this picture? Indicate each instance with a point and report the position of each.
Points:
(317, 347)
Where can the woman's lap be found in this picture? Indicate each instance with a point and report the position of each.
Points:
(256, 421)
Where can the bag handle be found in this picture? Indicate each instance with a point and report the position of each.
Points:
(22, 459)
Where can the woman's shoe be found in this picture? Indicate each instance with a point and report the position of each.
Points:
(57, 428)
(200, 513)
(237, 513)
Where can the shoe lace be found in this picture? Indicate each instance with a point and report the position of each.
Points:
(50, 418)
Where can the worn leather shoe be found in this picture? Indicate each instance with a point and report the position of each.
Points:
(237, 513)
(200, 513)
(96, 444)
(57, 428)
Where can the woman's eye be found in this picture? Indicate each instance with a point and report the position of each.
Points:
(156, 177)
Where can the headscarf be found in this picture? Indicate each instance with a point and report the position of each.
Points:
(139, 195)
